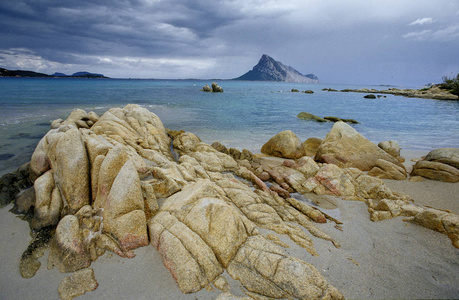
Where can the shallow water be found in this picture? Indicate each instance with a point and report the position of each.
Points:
(246, 115)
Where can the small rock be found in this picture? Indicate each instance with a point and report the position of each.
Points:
(216, 88)
(207, 88)
(369, 96)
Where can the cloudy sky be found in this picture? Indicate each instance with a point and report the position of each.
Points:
(404, 42)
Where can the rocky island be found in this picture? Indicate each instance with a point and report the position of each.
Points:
(269, 69)
(218, 217)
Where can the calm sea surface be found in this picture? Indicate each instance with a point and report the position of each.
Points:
(246, 115)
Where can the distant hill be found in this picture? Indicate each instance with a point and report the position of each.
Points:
(19, 73)
(269, 69)
(80, 75)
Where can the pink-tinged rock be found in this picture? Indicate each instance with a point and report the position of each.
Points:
(331, 180)
(124, 216)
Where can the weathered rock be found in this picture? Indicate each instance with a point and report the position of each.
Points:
(284, 144)
(333, 119)
(191, 262)
(391, 147)
(207, 88)
(265, 270)
(48, 202)
(435, 171)
(330, 180)
(345, 147)
(449, 156)
(24, 201)
(388, 170)
(308, 210)
(220, 147)
(56, 123)
(216, 88)
(39, 162)
(124, 216)
(68, 252)
(69, 161)
(310, 146)
(310, 117)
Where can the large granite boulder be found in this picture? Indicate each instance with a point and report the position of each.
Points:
(345, 147)
(284, 144)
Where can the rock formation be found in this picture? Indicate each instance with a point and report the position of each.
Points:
(433, 92)
(268, 69)
(214, 89)
(345, 147)
(97, 181)
(440, 164)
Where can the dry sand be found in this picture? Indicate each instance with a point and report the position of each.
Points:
(384, 260)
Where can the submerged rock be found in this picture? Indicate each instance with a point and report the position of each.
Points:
(308, 116)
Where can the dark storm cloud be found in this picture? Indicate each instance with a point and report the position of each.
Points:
(354, 40)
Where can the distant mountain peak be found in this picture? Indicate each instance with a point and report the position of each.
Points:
(269, 69)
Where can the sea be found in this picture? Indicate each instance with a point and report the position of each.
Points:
(246, 115)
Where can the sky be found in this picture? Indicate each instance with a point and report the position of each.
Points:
(399, 42)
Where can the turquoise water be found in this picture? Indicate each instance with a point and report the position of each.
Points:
(246, 115)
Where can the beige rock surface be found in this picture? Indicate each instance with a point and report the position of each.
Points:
(345, 147)
(284, 144)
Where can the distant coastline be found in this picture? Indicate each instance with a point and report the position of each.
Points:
(32, 74)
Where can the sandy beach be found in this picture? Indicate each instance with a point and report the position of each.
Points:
(383, 260)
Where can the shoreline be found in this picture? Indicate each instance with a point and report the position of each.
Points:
(433, 92)
(410, 262)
